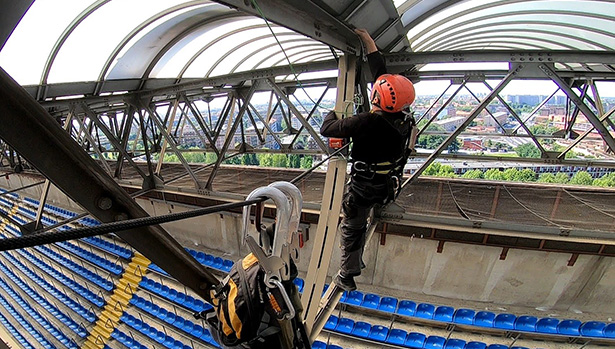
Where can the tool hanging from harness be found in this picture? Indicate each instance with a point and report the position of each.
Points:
(256, 305)
(393, 169)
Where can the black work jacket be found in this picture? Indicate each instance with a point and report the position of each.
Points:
(374, 138)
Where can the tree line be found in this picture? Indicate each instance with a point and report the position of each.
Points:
(524, 175)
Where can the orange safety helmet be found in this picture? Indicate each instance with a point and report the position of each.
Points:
(392, 93)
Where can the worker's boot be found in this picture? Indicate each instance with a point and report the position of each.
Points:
(345, 282)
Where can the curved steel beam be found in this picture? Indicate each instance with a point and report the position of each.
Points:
(436, 30)
(311, 43)
(243, 60)
(178, 38)
(437, 45)
(62, 39)
(213, 42)
(139, 28)
(537, 43)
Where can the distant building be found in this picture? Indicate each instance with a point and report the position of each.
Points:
(451, 124)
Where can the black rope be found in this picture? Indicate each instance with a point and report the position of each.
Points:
(55, 236)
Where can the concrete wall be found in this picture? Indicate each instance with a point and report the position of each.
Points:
(460, 272)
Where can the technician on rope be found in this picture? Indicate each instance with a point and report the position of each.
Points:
(380, 149)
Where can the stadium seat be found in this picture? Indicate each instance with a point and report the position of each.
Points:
(434, 342)
(300, 284)
(444, 313)
(569, 327)
(464, 316)
(547, 325)
(354, 297)
(331, 323)
(425, 311)
(505, 321)
(397, 336)
(593, 329)
(484, 318)
(453, 343)
(319, 345)
(497, 346)
(344, 325)
(415, 340)
(371, 301)
(476, 345)
(361, 329)
(526, 323)
(609, 331)
(378, 333)
(406, 307)
(517, 347)
(388, 304)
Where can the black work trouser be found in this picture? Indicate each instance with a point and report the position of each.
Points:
(360, 197)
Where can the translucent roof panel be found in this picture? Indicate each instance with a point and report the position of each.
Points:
(28, 48)
(144, 39)
(511, 24)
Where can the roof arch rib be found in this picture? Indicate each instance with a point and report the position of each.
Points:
(136, 31)
(306, 41)
(452, 37)
(213, 42)
(548, 44)
(443, 32)
(181, 36)
(62, 39)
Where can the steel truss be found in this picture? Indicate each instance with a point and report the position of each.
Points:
(142, 127)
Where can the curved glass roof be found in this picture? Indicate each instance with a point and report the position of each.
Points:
(143, 39)
(509, 24)
(139, 40)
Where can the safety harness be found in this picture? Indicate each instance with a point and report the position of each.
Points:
(391, 169)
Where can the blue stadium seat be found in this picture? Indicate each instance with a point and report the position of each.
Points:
(218, 262)
(593, 329)
(227, 264)
(454, 343)
(344, 325)
(208, 260)
(425, 311)
(444, 313)
(334, 346)
(406, 307)
(505, 321)
(434, 342)
(517, 347)
(415, 340)
(569, 327)
(609, 331)
(378, 333)
(397, 336)
(476, 345)
(331, 322)
(526, 323)
(464, 316)
(371, 301)
(300, 283)
(547, 325)
(319, 345)
(497, 346)
(388, 304)
(484, 318)
(361, 329)
(354, 297)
